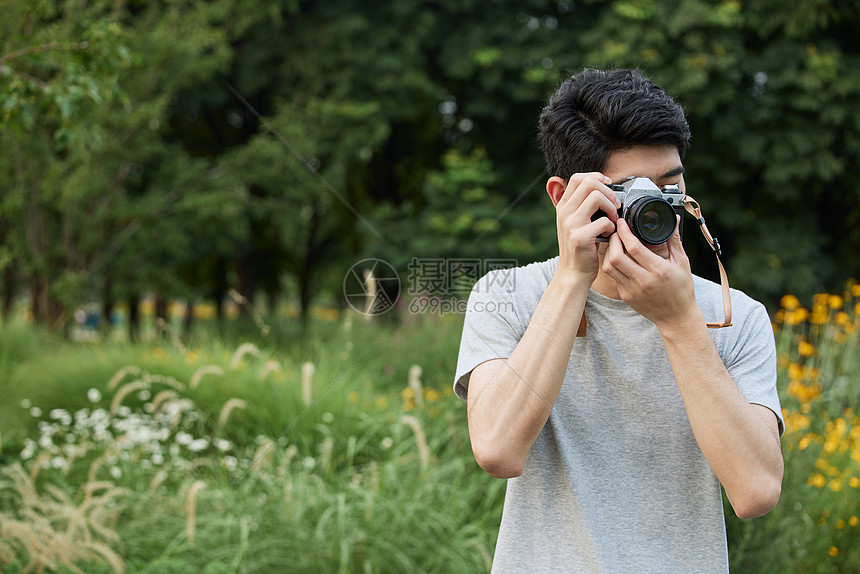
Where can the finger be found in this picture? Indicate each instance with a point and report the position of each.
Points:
(595, 203)
(581, 185)
(676, 247)
(616, 263)
(635, 249)
(602, 227)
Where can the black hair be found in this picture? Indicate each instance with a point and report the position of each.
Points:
(595, 112)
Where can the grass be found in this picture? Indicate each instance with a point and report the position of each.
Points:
(247, 474)
(209, 455)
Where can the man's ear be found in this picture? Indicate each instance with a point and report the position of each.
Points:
(555, 187)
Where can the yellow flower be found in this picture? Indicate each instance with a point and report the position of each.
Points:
(803, 393)
(407, 394)
(795, 371)
(795, 421)
(798, 316)
(789, 302)
(817, 480)
(835, 302)
(840, 524)
(819, 316)
(854, 482)
(835, 485)
(805, 349)
(353, 397)
(833, 551)
(842, 318)
(431, 395)
(853, 521)
(855, 290)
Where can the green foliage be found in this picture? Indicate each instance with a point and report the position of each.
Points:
(188, 148)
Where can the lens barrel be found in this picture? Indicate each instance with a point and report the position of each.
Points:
(651, 218)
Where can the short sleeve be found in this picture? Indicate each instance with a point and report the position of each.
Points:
(752, 361)
(491, 330)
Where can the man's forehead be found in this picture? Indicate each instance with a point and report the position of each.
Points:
(654, 162)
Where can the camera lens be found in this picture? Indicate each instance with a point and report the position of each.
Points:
(652, 219)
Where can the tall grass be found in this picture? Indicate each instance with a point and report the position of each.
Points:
(226, 463)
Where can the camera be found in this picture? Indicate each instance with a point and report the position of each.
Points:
(649, 210)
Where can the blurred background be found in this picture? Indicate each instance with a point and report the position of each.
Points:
(186, 185)
(180, 149)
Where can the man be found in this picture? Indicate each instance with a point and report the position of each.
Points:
(617, 440)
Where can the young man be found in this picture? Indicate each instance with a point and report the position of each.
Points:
(617, 440)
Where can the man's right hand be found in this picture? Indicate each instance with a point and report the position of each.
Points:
(575, 202)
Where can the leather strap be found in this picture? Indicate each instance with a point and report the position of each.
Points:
(692, 207)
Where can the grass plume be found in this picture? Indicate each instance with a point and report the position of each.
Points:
(49, 529)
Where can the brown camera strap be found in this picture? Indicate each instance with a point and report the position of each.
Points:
(692, 207)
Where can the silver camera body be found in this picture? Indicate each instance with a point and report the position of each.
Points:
(650, 211)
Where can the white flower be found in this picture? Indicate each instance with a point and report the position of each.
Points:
(115, 472)
(94, 395)
(35, 412)
(26, 404)
(198, 444)
(29, 449)
(57, 414)
(387, 443)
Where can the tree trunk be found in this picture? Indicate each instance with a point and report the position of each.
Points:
(219, 290)
(161, 319)
(306, 271)
(10, 286)
(247, 269)
(107, 305)
(134, 318)
(188, 319)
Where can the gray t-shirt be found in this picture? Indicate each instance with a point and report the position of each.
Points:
(615, 481)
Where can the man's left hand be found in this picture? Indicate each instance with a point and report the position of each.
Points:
(658, 288)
